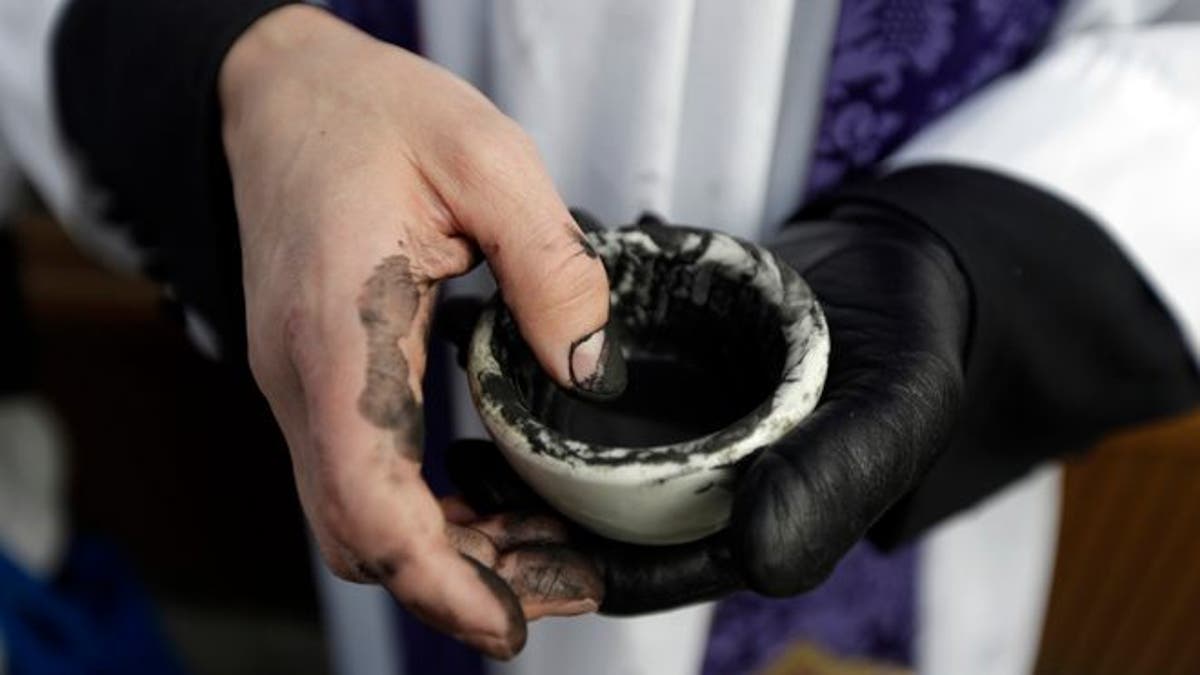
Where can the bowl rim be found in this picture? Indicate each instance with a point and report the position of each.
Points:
(517, 431)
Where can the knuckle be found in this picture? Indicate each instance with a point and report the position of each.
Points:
(935, 370)
(573, 283)
(557, 280)
(781, 571)
(790, 538)
(574, 303)
(807, 577)
(952, 382)
(930, 390)
(486, 148)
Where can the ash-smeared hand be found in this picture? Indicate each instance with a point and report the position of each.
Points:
(387, 309)
(363, 177)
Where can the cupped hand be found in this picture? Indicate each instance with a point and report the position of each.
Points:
(364, 176)
(897, 307)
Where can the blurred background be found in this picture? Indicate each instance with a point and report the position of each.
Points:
(176, 463)
(173, 461)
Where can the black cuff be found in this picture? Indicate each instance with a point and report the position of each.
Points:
(1067, 340)
(136, 83)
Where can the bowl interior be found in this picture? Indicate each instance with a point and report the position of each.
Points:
(704, 347)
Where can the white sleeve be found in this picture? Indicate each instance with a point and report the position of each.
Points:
(1109, 120)
(29, 131)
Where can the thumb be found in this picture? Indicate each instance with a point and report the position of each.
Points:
(549, 275)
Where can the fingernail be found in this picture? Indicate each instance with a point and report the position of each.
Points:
(597, 366)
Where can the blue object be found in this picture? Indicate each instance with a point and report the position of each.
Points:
(91, 619)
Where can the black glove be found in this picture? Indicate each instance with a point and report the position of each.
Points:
(1065, 342)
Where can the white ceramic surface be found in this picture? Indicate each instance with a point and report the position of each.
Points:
(680, 492)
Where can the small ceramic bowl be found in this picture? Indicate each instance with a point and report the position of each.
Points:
(726, 349)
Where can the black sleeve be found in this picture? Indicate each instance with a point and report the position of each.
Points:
(136, 86)
(1067, 340)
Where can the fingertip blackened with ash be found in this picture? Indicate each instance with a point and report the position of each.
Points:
(552, 572)
(387, 308)
(517, 630)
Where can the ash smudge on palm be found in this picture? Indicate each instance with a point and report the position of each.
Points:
(387, 308)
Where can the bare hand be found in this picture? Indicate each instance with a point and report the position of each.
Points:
(364, 176)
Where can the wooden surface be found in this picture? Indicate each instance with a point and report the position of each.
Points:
(1126, 593)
